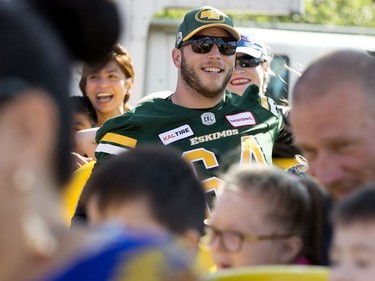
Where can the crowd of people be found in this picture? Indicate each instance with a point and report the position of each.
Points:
(185, 174)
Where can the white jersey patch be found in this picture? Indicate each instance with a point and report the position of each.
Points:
(109, 148)
(208, 118)
(241, 119)
(176, 134)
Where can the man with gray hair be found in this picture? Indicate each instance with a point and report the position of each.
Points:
(333, 120)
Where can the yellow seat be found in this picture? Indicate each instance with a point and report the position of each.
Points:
(74, 189)
(285, 163)
(271, 273)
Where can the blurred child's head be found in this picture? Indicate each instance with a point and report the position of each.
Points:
(353, 248)
(254, 221)
(149, 187)
(84, 116)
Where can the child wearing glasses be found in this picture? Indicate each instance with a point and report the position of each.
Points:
(264, 216)
(353, 248)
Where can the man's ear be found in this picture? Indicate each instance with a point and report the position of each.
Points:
(289, 249)
(176, 57)
(33, 124)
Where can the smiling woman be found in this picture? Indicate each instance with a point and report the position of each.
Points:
(253, 60)
(108, 83)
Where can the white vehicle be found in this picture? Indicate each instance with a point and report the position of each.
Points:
(293, 50)
(150, 43)
(138, 33)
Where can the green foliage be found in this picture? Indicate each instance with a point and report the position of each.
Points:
(340, 12)
(326, 12)
(171, 14)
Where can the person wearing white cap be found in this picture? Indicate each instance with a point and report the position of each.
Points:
(253, 65)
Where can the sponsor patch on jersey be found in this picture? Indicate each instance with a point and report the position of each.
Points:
(208, 118)
(241, 119)
(174, 135)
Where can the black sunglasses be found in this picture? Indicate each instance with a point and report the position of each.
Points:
(203, 45)
(248, 61)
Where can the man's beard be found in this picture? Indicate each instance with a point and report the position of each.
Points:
(192, 79)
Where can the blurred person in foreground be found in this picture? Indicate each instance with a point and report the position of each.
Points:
(158, 191)
(333, 120)
(333, 123)
(353, 248)
(254, 223)
(35, 75)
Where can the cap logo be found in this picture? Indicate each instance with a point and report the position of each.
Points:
(209, 16)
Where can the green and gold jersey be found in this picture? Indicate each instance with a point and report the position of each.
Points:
(238, 129)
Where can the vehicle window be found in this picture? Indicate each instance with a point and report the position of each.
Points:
(278, 86)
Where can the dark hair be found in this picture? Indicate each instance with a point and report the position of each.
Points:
(36, 52)
(121, 56)
(81, 23)
(80, 104)
(313, 245)
(33, 53)
(160, 175)
(358, 207)
(297, 204)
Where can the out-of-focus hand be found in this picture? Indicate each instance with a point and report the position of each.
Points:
(80, 160)
(85, 142)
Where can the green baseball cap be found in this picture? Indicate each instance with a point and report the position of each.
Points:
(202, 18)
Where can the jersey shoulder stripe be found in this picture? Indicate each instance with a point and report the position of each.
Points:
(119, 139)
(109, 149)
(115, 144)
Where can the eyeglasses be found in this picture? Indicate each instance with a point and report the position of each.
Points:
(232, 241)
(203, 45)
(248, 61)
